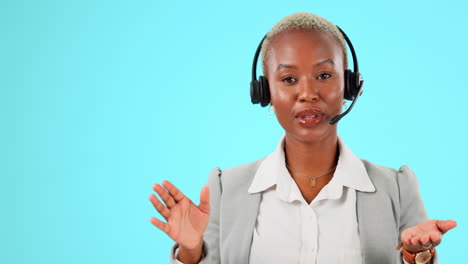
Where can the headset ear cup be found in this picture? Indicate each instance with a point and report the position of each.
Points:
(347, 88)
(359, 82)
(354, 80)
(264, 91)
(352, 83)
(254, 96)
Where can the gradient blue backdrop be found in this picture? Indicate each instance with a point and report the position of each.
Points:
(100, 99)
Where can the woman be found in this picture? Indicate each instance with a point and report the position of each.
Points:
(312, 200)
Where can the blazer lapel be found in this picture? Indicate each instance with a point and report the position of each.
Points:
(377, 229)
(238, 216)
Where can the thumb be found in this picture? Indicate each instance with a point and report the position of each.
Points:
(205, 200)
(446, 225)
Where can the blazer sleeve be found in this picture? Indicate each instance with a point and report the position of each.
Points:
(412, 211)
(210, 253)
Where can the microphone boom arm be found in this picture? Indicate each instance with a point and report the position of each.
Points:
(337, 118)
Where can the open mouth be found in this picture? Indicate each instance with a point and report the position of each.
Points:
(309, 117)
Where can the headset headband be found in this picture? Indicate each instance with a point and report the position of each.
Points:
(350, 45)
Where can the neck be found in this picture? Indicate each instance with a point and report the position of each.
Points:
(312, 158)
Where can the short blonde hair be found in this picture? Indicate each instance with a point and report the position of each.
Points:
(303, 21)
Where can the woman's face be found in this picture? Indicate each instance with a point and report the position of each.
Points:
(305, 72)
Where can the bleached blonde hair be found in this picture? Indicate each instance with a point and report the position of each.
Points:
(303, 21)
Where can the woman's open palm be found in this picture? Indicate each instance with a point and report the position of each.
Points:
(186, 221)
(425, 235)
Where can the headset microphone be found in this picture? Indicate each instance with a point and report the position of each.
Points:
(338, 117)
(353, 86)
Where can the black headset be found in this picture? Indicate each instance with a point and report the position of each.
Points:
(354, 84)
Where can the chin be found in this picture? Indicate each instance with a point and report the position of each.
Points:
(313, 135)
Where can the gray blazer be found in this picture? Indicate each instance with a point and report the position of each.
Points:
(382, 215)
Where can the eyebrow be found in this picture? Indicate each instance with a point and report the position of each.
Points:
(326, 61)
(281, 66)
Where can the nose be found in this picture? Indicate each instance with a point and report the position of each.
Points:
(308, 92)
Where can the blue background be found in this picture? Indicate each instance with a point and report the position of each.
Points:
(101, 99)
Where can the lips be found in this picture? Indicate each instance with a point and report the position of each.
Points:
(309, 117)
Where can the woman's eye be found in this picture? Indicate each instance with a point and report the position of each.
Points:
(324, 76)
(289, 79)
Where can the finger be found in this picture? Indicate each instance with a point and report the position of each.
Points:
(406, 237)
(415, 241)
(165, 196)
(160, 225)
(436, 237)
(446, 225)
(425, 240)
(437, 242)
(160, 207)
(400, 245)
(176, 193)
(426, 243)
(205, 200)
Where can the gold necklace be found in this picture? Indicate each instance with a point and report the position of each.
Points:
(313, 180)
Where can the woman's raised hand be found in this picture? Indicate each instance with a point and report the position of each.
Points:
(425, 235)
(186, 221)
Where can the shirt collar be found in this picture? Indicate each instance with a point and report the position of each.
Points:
(351, 171)
(269, 170)
(272, 173)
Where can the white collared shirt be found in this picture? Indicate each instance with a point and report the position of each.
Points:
(289, 230)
